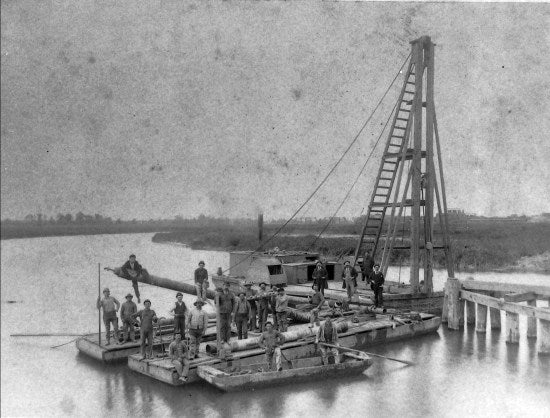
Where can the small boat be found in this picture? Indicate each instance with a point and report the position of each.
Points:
(228, 378)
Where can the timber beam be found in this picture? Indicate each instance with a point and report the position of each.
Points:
(520, 297)
(528, 311)
(541, 291)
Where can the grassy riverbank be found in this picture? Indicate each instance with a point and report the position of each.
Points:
(481, 247)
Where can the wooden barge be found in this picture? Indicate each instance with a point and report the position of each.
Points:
(358, 336)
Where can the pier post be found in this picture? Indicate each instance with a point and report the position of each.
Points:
(445, 311)
(470, 312)
(481, 317)
(455, 305)
(544, 337)
(495, 318)
(512, 327)
(531, 321)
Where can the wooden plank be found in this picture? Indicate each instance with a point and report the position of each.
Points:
(519, 297)
(512, 327)
(529, 311)
(505, 287)
(455, 305)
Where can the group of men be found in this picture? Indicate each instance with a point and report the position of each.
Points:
(248, 311)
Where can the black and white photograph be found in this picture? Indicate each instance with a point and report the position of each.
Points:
(275, 208)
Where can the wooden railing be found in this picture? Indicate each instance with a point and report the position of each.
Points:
(478, 299)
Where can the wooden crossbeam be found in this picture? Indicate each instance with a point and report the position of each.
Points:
(505, 287)
(529, 311)
(520, 297)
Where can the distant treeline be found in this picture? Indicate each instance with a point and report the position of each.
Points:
(483, 246)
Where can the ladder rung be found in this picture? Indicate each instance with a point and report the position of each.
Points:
(390, 162)
(404, 110)
(408, 91)
(406, 120)
(399, 127)
(388, 171)
(381, 195)
(408, 202)
(398, 137)
(385, 178)
(411, 82)
(383, 187)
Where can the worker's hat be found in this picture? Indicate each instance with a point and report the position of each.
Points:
(318, 262)
(198, 302)
(146, 300)
(241, 293)
(132, 256)
(201, 262)
(376, 265)
(179, 294)
(129, 295)
(281, 289)
(261, 283)
(248, 283)
(347, 262)
(106, 290)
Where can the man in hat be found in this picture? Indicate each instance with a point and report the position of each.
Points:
(317, 300)
(250, 295)
(201, 281)
(271, 340)
(179, 354)
(378, 286)
(126, 311)
(263, 305)
(327, 333)
(241, 313)
(349, 279)
(198, 322)
(132, 270)
(146, 318)
(225, 301)
(179, 311)
(320, 277)
(368, 265)
(110, 307)
(281, 308)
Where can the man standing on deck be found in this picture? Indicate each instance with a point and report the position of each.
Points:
(250, 295)
(378, 286)
(263, 305)
(146, 318)
(179, 315)
(201, 281)
(327, 333)
(320, 277)
(131, 270)
(271, 340)
(180, 357)
(241, 314)
(281, 308)
(226, 305)
(110, 307)
(368, 264)
(349, 279)
(198, 323)
(126, 311)
(317, 300)
(273, 304)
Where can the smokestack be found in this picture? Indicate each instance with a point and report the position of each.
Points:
(260, 227)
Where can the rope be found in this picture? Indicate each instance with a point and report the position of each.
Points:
(328, 174)
(356, 179)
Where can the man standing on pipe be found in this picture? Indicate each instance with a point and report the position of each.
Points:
(132, 270)
(179, 311)
(201, 281)
(198, 322)
(226, 305)
(146, 318)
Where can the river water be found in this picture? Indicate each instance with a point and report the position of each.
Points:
(49, 285)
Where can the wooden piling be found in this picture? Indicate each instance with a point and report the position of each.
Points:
(455, 305)
(445, 311)
(544, 337)
(495, 318)
(532, 321)
(481, 317)
(512, 328)
(470, 312)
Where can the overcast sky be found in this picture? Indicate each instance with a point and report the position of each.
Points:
(163, 108)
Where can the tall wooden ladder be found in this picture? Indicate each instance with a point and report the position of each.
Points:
(392, 158)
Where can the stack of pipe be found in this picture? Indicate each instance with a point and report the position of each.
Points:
(292, 335)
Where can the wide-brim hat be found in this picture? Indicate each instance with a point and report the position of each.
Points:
(201, 262)
(347, 262)
(129, 295)
(179, 294)
(106, 290)
(198, 302)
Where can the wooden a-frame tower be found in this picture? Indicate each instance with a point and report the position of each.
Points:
(410, 180)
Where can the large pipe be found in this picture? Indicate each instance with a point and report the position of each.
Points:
(165, 283)
(293, 335)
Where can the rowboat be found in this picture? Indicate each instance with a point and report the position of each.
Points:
(229, 378)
